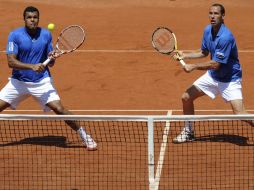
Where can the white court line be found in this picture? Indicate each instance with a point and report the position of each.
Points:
(131, 51)
(120, 110)
(162, 153)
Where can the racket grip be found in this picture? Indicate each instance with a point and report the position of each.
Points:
(46, 62)
(182, 62)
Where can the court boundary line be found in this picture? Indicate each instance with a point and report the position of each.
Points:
(162, 153)
(130, 110)
(130, 51)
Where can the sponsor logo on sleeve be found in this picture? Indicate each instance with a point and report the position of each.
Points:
(220, 55)
(11, 46)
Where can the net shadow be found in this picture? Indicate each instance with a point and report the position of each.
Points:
(234, 139)
(57, 141)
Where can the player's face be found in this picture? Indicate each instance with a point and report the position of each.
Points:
(31, 20)
(215, 16)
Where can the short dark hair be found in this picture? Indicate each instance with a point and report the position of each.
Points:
(30, 9)
(222, 9)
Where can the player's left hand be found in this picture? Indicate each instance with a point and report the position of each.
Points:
(189, 67)
(53, 55)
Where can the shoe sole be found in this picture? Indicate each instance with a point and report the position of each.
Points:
(91, 149)
(177, 142)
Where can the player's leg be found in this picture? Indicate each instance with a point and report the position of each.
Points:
(3, 105)
(48, 97)
(188, 98)
(59, 109)
(238, 108)
(12, 94)
(204, 85)
(232, 92)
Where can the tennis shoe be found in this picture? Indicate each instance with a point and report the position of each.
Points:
(89, 143)
(184, 136)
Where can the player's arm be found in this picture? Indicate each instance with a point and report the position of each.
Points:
(190, 55)
(50, 51)
(208, 65)
(14, 63)
(52, 59)
(201, 65)
(193, 55)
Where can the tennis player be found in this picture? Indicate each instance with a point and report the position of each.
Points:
(224, 73)
(28, 47)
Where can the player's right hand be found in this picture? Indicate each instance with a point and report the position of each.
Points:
(178, 55)
(38, 67)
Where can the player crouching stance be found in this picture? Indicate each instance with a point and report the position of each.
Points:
(224, 72)
(27, 48)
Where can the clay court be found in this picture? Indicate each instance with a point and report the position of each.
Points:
(117, 68)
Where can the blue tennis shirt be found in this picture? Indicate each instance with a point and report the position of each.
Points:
(223, 50)
(30, 50)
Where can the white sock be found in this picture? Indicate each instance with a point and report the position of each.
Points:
(188, 126)
(82, 133)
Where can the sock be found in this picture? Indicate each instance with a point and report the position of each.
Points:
(82, 133)
(188, 127)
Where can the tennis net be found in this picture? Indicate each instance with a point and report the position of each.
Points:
(134, 152)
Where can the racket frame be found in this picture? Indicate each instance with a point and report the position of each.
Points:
(181, 61)
(58, 50)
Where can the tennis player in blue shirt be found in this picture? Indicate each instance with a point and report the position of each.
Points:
(28, 47)
(224, 73)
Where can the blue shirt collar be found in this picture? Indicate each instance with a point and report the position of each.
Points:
(222, 27)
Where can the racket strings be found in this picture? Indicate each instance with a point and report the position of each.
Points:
(71, 38)
(163, 40)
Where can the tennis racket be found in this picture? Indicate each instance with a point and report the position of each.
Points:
(70, 39)
(164, 41)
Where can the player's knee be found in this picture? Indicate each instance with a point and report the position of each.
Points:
(238, 107)
(185, 97)
(239, 111)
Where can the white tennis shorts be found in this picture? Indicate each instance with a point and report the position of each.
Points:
(228, 90)
(16, 91)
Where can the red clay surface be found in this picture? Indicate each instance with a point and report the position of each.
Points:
(130, 80)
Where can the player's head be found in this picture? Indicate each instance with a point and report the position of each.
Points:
(216, 14)
(31, 17)
(30, 9)
(222, 9)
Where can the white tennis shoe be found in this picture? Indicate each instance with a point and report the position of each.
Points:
(184, 136)
(89, 143)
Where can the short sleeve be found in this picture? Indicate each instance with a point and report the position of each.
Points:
(204, 44)
(12, 47)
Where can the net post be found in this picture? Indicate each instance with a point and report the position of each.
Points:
(150, 153)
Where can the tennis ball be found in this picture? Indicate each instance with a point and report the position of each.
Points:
(51, 26)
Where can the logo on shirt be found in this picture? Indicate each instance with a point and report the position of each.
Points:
(11, 46)
(220, 55)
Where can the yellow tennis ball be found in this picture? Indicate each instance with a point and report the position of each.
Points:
(51, 26)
